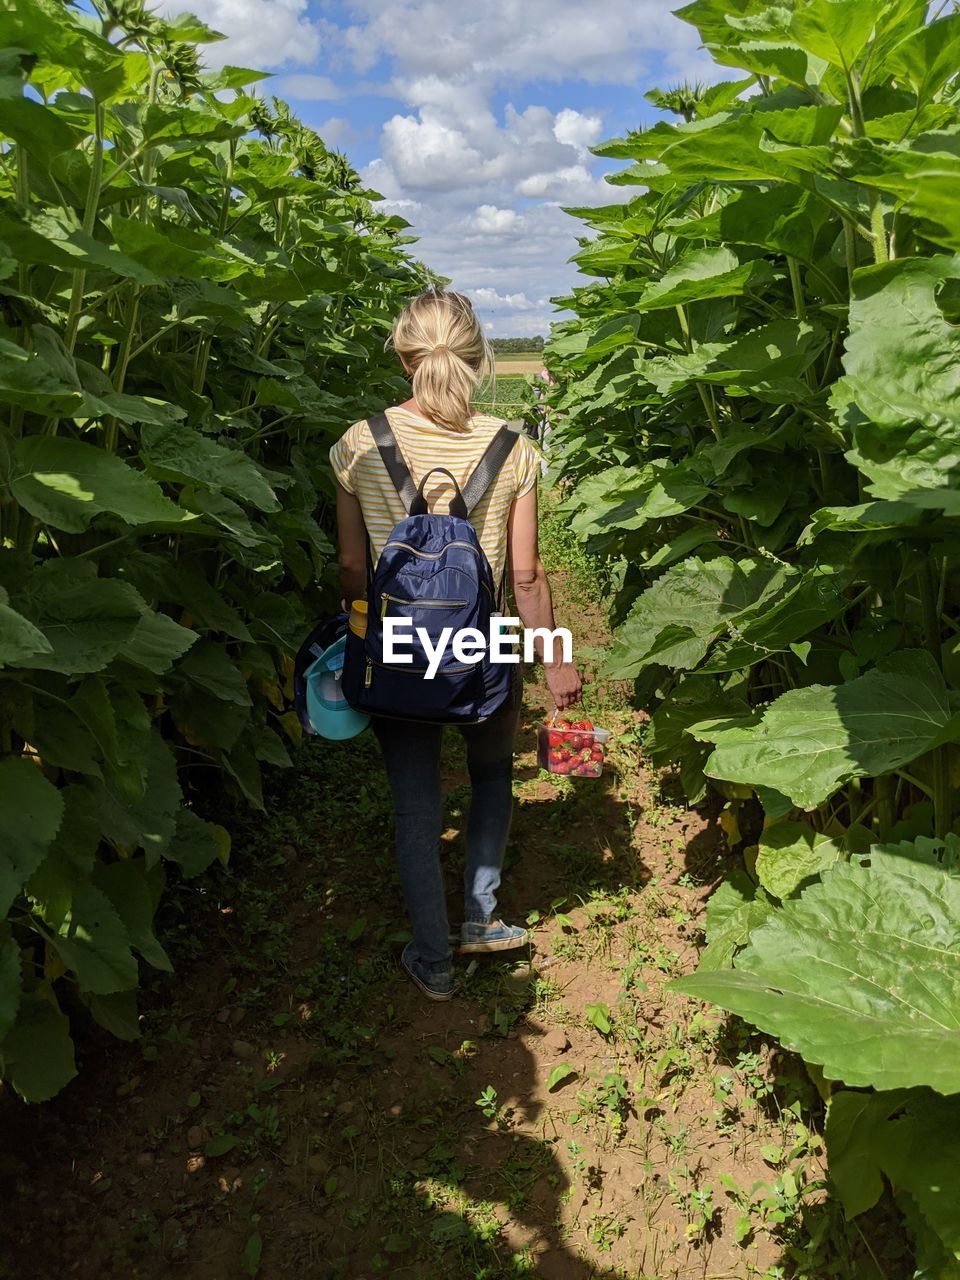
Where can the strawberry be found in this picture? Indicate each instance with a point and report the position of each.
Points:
(555, 739)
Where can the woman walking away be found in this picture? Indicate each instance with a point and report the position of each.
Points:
(443, 350)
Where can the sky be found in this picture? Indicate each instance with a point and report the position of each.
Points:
(473, 123)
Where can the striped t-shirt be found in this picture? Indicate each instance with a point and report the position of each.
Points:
(359, 468)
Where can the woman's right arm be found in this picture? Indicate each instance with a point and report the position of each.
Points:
(531, 590)
(352, 542)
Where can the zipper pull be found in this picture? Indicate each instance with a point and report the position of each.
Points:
(368, 678)
(384, 604)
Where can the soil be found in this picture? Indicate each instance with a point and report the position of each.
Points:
(296, 1107)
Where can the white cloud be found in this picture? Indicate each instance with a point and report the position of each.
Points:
(491, 221)
(501, 302)
(427, 155)
(561, 184)
(577, 130)
(604, 42)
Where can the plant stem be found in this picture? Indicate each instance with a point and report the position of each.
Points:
(94, 187)
(706, 393)
(878, 235)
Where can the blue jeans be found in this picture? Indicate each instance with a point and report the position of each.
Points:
(411, 753)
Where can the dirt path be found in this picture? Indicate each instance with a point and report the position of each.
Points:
(296, 1109)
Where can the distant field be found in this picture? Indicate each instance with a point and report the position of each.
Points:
(518, 362)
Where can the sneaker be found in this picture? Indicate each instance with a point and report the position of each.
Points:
(495, 936)
(438, 986)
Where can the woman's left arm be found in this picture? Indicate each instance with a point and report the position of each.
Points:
(352, 541)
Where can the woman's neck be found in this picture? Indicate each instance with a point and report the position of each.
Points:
(413, 404)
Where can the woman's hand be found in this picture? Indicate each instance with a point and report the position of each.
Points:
(563, 680)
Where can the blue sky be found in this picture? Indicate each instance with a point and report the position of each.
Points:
(474, 125)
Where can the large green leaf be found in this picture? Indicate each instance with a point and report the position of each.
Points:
(789, 853)
(55, 237)
(823, 976)
(177, 452)
(42, 132)
(67, 483)
(87, 620)
(780, 218)
(912, 1137)
(701, 274)
(70, 858)
(835, 30)
(812, 599)
(733, 912)
(19, 638)
(675, 621)
(93, 942)
(37, 1053)
(208, 666)
(158, 642)
(149, 822)
(810, 741)
(117, 1012)
(134, 892)
(653, 492)
(196, 844)
(184, 585)
(929, 56)
(31, 810)
(902, 366)
(179, 251)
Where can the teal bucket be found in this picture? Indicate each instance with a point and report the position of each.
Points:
(328, 710)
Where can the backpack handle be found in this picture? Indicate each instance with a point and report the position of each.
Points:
(418, 507)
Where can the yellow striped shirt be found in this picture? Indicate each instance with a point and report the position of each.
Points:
(359, 469)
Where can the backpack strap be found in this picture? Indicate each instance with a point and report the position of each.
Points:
(488, 468)
(392, 458)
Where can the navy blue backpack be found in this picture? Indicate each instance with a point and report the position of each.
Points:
(433, 571)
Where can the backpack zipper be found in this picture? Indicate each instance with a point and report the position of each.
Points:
(411, 671)
(430, 555)
(385, 600)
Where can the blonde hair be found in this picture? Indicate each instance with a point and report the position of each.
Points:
(441, 343)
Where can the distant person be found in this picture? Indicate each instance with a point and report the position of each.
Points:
(542, 428)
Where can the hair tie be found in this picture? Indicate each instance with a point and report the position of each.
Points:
(440, 346)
